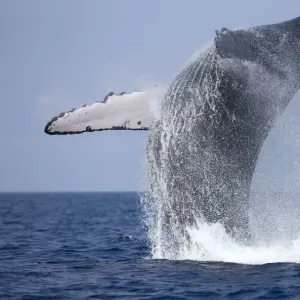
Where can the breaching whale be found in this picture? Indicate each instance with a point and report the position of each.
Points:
(214, 118)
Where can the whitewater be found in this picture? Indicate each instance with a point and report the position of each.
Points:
(210, 242)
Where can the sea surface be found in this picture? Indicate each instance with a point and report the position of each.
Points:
(95, 246)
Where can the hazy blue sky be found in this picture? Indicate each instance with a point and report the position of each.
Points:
(57, 54)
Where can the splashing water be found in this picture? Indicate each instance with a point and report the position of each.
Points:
(212, 243)
(169, 236)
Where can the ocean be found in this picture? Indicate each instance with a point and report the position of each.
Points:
(95, 246)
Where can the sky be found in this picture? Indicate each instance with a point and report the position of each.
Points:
(59, 54)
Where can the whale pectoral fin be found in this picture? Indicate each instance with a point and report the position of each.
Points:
(116, 112)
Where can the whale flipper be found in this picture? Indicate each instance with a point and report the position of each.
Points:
(115, 112)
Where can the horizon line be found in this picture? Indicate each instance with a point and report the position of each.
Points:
(72, 192)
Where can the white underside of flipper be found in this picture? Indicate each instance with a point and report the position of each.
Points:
(132, 111)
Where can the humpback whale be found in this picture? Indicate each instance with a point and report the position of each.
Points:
(214, 118)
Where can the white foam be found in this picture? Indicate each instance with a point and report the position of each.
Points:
(274, 241)
(211, 243)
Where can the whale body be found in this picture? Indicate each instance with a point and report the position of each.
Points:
(214, 118)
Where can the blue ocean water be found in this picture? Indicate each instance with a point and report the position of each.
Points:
(94, 246)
